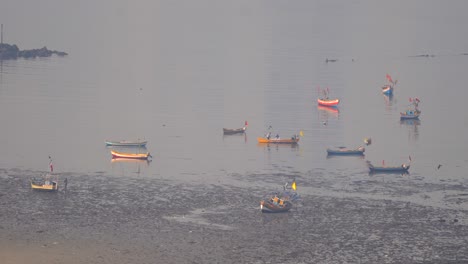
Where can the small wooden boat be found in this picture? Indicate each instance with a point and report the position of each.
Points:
(230, 131)
(412, 112)
(388, 88)
(141, 156)
(126, 143)
(292, 140)
(328, 102)
(346, 151)
(275, 205)
(49, 183)
(394, 169)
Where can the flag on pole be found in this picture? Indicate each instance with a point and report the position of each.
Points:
(301, 133)
(51, 166)
(293, 185)
(389, 78)
(246, 124)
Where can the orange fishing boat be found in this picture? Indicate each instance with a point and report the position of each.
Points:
(293, 140)
(141, 156)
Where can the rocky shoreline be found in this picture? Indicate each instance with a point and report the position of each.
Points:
(12, 52)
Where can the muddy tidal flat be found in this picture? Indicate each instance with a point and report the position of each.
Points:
(106, 219)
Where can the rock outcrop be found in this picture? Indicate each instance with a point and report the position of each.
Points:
(11, 52)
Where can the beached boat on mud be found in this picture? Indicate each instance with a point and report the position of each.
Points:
(141, 156)
(275, 205)
(392, 169)
(292, 140)
(345, 151)
(48, 183)
(126, 143)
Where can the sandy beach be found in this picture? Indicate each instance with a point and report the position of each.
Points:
(105, 219)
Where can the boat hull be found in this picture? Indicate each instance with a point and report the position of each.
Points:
(229, 131)
(405, 116)
(278, 141)
(126, 143)
(388, 90)
(328, 102)
(270, 207)
(44, 187)
(344, 151)
(140, 156)
(397, 169)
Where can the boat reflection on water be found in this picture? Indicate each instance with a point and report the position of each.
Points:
(235, 137)
(389, 102)
(134, 161)
(270, 146)
(129, 167)
(328, 109)
(413, 128)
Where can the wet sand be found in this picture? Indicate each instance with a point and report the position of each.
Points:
(107, 219)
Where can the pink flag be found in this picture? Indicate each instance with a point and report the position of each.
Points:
(246, 124)
(389, 78)
(383, 162)
(51, 167)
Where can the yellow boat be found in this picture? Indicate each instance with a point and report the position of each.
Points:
(141, 156)
(49, 183)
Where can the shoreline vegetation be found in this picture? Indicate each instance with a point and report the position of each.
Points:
(12, 52)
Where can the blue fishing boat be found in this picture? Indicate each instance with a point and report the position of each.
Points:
(388, 88)
(412, 112)
(345, 151)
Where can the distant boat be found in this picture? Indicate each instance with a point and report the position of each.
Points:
(412, 112)
(388, 88)
(141, 156)
(293, 140)
(324, 100)
(328, 102)
(231, 131)
(346, 151)
(126, 143)
(395, 169)
(275, 205)
(49, 183)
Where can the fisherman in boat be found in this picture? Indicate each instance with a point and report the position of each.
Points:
(277, 136)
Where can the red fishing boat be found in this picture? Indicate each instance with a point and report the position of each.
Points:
(325, 100)
(328, 102)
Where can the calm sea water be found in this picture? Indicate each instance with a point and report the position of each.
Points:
(176, 72)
